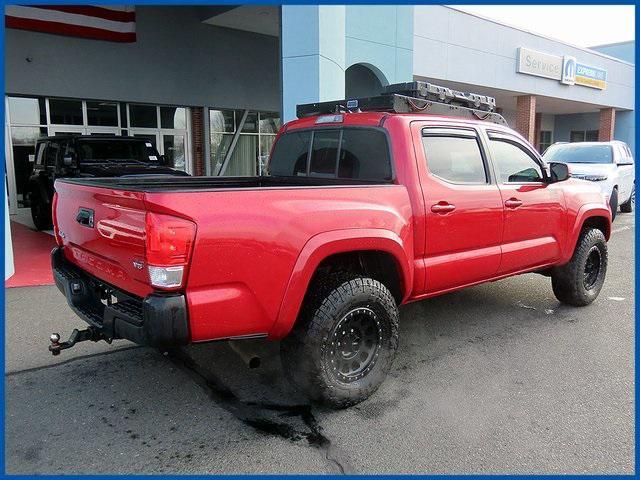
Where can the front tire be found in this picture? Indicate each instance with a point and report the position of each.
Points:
(630, 204)
(579, 282)
(344, 342)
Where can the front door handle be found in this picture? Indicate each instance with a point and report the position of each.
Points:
(513, 203)
(442, 207)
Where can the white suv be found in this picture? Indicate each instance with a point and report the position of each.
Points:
(610, 164)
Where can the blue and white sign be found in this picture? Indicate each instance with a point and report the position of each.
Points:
(589, 76)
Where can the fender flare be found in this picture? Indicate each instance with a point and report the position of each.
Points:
(322, 246)
(587, 211)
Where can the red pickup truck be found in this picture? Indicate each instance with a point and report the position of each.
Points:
(359, 214)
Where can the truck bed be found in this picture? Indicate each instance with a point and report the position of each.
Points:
(185, 184)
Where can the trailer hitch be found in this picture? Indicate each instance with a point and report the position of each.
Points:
(76, 336)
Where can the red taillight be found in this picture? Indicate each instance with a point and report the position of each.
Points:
(169, 241)
(54, 217)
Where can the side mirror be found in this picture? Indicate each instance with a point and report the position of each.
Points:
(559, 172)
(69, 160)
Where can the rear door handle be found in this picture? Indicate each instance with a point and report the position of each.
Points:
(442, 207)
(513, 203)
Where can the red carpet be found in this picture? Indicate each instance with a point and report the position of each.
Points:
(31, 257)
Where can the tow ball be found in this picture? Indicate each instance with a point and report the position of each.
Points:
(76, 336)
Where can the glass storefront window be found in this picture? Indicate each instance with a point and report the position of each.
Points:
(174, 151)
(219, 147)
(252, 148)
(145, 116)
(222, 121)
(27, 111)
(270, 123)
(173, 117)
(65, 112)
(103, 114)
(250, 124)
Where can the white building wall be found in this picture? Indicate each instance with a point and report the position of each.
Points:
(459, 47)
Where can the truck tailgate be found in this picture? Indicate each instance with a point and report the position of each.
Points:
(103, 232)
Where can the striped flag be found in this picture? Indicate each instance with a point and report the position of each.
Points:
(111, 23)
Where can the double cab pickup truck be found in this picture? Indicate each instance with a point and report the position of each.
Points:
(361, 211)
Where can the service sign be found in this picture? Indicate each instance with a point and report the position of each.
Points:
(591, 76)
(540, 64)
(566, 69)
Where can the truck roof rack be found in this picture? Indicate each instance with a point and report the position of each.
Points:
(412, 97)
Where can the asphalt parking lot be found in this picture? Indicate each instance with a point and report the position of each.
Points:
(498, 378)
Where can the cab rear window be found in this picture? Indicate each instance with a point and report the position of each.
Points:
(346, 153)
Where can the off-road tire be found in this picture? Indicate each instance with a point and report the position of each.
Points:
(627, 207)
(307, 355)
(569, 281)
(40, 212)
(613, 203)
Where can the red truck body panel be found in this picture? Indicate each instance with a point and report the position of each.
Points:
(256, 249)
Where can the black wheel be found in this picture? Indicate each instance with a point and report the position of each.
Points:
(344, 342)
(613, 203)
(579, 282)
(630, 204)
(40, 212)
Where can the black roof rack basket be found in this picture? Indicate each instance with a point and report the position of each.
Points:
(412, 97)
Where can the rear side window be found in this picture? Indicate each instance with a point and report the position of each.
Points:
(456, 159)
(349, 153)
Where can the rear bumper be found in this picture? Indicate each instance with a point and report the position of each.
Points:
(158, 320)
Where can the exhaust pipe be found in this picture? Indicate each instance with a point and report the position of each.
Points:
(250, 359)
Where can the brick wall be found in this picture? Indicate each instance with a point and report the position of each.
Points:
(197, 136)
(607, 124)
(526, 117)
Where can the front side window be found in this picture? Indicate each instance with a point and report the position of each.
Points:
(350, 153)
(514, 165)
(455, 159)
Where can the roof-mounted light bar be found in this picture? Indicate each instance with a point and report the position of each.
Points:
(411, 97)
(437, 93)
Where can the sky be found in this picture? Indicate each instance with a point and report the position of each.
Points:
(589, 25)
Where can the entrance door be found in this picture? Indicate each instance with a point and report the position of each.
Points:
(534, 210)
(463, 210)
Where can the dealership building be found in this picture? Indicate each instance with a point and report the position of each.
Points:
(209, 86)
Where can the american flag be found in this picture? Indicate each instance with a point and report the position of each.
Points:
(111, 23)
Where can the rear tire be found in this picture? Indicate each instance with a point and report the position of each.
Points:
(40, 212)
(613, 203)
(344, 342)
(579, 282)
(630, 204)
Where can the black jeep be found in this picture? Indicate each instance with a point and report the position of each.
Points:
(88, 156)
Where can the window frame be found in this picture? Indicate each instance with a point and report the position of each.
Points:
(457, 132)
(392, 178)
(494, 135)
